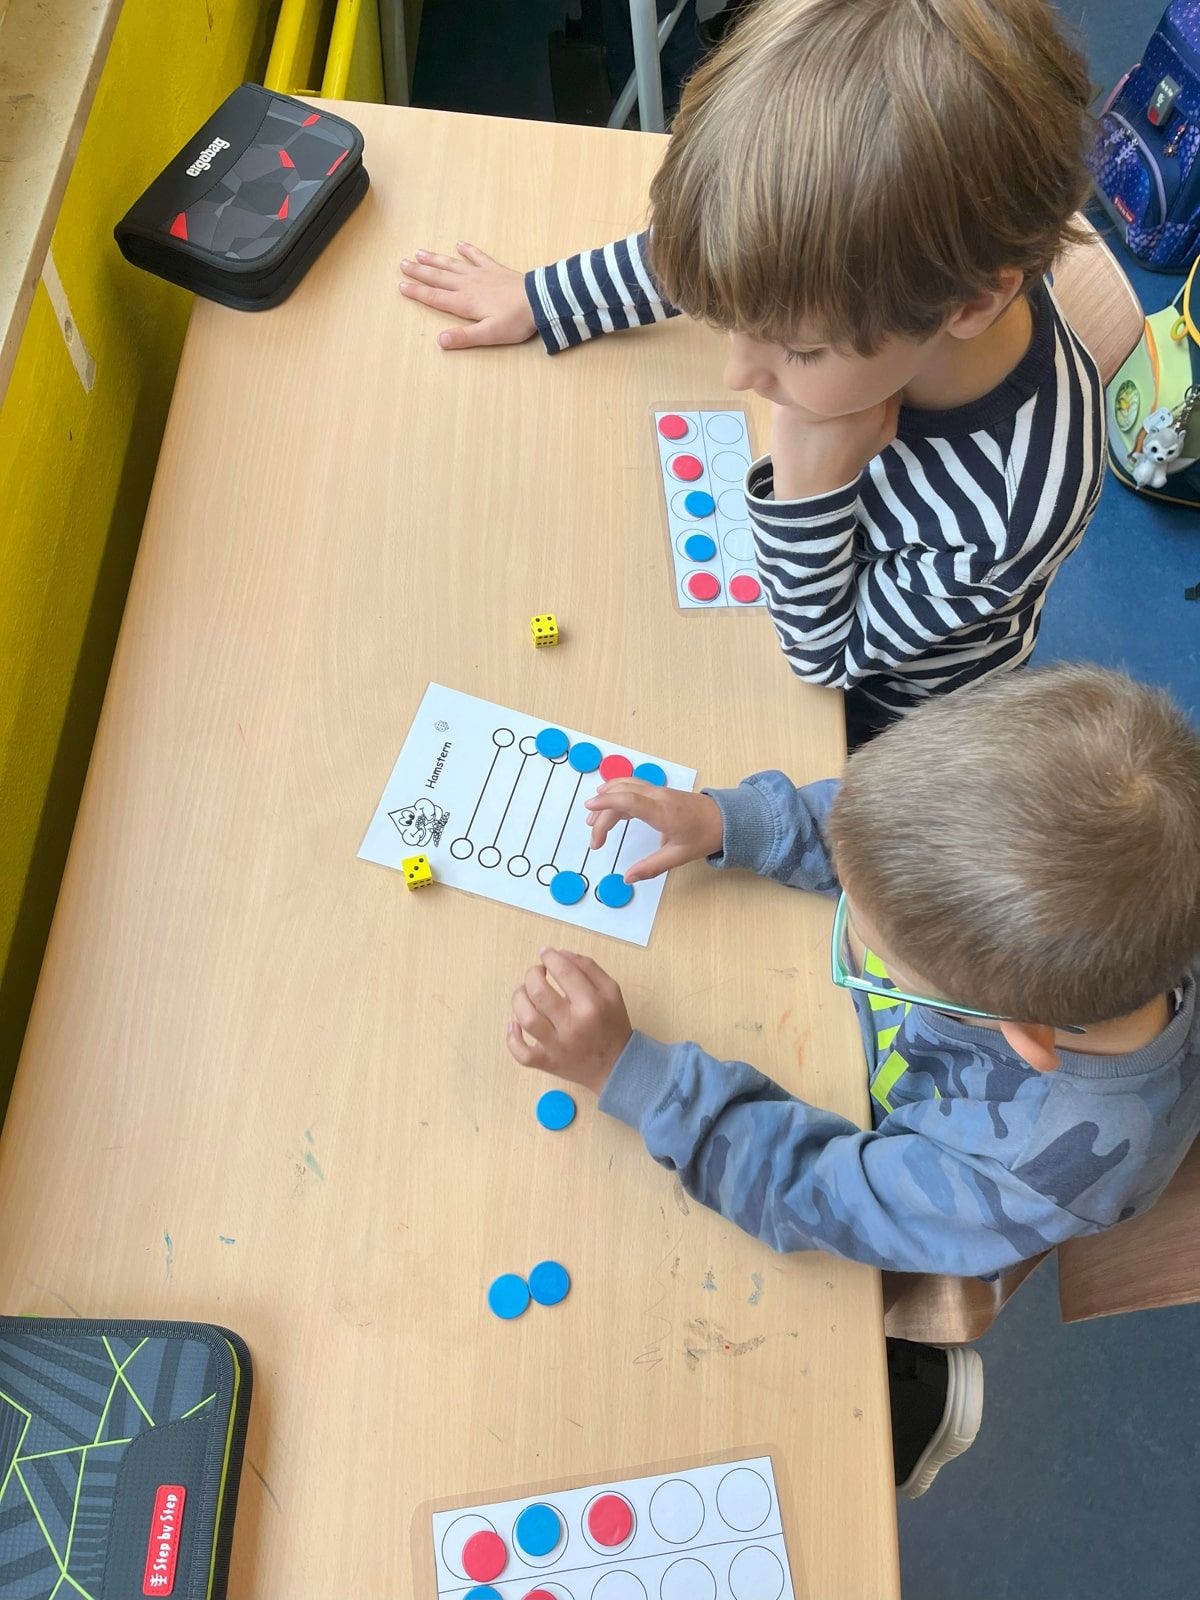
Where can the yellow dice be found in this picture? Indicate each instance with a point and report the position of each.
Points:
(544, 629)
(416, 871)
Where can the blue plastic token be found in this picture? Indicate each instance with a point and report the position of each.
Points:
(614, 891)
(568, 888)
(483, 1591)
(698, 503)
(549, 1283)
(538, 1530)
(651, 772)
(552, 743)
(508, 1296)
(555, 1110)
(699, 547)
(584, 757)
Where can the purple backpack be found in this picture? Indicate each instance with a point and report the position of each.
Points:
(1145, 160)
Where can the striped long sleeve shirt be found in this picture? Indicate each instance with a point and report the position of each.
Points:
(932, 569)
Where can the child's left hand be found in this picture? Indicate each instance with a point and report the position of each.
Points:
(575, 1030)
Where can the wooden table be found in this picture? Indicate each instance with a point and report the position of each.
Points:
(251, 1042)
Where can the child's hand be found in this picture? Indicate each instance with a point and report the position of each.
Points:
(691, 824)
(814, 455)
(577, 1029)
(489, 297)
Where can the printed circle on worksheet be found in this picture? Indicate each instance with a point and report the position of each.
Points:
(688, 1579)
(616, 767)
(584, 756)
(619, 1586)
(518, 866)
(461, 849)
(528, 745)
(545, 874)
(732, 503)
(568, 888)
(755, 1574)
(552, 743)
(539, 1535)
(455, 1538)
(728, 467)
(745, 588)
(503, 737)
(702, 586)
(725, 428)
(608, 1523)
(687, 468)
(677, 1511)
(743, 1499)
(675, 427)
(696, 546)
(739, 543)
(489, 856)
(612, 891)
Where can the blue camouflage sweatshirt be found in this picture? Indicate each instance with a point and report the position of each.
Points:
(975, 1161)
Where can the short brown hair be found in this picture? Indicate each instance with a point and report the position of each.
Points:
(868, 165)
(1031, 845)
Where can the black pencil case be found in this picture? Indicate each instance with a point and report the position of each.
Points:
(251, 200)
(120, 1453)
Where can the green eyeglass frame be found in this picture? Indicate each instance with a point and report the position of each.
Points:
(846, 979)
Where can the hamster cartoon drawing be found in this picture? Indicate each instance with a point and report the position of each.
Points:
(421, 823)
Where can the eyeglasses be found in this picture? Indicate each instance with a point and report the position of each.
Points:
(846, 978)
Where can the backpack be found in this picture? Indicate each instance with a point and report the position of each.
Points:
(1153, 409)
(1144, 160)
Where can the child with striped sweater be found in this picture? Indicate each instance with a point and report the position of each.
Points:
(867, 195)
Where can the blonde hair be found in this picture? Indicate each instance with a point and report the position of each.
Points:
(865, 166)
(1031, 845)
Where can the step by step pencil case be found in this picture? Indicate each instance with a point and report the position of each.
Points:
(120, 1453)
(251, 200)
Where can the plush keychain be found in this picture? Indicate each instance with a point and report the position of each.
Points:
(1162, 445)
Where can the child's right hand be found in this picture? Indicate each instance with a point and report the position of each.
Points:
(489, 297)
(691, 824)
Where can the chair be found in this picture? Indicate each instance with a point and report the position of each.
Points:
(1141, 1265)
(1149, 1262)
(1098, 301)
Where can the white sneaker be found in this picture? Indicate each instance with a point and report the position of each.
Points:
(960, 1420)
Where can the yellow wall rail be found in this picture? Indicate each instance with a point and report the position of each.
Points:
(327, 47)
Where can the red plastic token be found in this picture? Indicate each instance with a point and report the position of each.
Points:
(610, 1520)
(539, 1594)
(672, 427)
(616, 767)
(484, 1556)
(687, 468)
(745, 588)
(702, 586)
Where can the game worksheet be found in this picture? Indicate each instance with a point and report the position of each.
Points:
(703, 458)
(705, 1533)
(494, 799)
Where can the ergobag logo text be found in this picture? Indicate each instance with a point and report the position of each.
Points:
(205, 159)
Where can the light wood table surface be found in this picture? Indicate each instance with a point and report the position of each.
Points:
(245, 1034)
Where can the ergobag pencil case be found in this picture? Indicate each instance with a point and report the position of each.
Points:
(251, 200)
(120, 1453)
